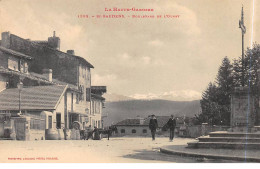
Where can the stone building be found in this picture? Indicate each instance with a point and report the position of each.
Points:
(97, 105)
(139, 126)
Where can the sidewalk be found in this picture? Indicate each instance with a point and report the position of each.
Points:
(225, 154)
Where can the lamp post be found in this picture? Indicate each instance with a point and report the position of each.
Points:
(20, 87)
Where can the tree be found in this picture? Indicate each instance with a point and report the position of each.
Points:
(208, 104)
(225, 82)
(215, 102)
(251, 65)
(225, 85)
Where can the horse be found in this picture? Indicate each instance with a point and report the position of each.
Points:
(89, 134)
(109, 130)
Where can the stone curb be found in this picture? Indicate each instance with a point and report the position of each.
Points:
(210, 156)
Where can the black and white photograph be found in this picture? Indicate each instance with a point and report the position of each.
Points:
(129, 81)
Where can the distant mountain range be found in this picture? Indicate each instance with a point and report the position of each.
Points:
(112, 97)
(127, 107)
(182, 95)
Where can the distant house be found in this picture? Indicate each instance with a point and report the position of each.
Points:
(139, 126)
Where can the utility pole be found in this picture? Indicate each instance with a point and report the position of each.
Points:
(243, 31)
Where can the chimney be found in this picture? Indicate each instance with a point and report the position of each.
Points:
(71, 52)
(54, 42)
(141, 120)
(6, 40)
(48, 74)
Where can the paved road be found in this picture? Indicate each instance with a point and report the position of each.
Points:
(115, 150)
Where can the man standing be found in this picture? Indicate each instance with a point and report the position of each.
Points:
(153, 125)
(171, 125)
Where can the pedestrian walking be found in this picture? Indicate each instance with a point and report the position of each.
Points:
(171, 125)
(89, 132)
(153, 125)
(96, 134)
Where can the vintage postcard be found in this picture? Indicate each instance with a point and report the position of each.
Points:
(128, 81)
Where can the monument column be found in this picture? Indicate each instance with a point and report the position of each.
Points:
(243, 31)
(243, 114)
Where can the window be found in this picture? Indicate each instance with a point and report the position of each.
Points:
(85, 73)
(77, 98)
(25, 67)
(49, 122)
(92, 108)
(82, 69)
(122, 130)
(71, 102)
(99, 124)
(97, 107)
(58, 120)
(133, 131)
(13, 63)
(144, 131)
(81, 89)
(21, 66)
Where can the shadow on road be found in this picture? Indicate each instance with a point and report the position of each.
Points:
(156, 156)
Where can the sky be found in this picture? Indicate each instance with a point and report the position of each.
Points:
(141, 58)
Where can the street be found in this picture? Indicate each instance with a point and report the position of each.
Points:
(115, 150)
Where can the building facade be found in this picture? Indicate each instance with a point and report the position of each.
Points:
(140, 126)
(41, 63)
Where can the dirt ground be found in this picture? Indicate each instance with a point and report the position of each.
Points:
(115, 150)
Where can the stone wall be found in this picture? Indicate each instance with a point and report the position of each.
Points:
(128, 131)
(198, 130)
(64, 66)
(36, 135)
(3, 60)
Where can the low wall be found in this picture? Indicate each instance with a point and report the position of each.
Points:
(200, 130)
(36, 135)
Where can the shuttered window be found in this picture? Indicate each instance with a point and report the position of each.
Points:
(88, 94)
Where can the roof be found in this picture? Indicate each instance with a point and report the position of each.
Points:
(38, 77)
(82, 59)
(71, 86)
(161, 120)
(32, 98)
(41, 43)
(15, 53)
(27, 75)
(129, 122)
(98, 89)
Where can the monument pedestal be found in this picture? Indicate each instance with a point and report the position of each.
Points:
(243, 112)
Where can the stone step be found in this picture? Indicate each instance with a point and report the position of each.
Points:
(224, 145)
(229, 139)
(234, 134)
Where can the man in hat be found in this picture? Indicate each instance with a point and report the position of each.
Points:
(171, 125)
(153, 125)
